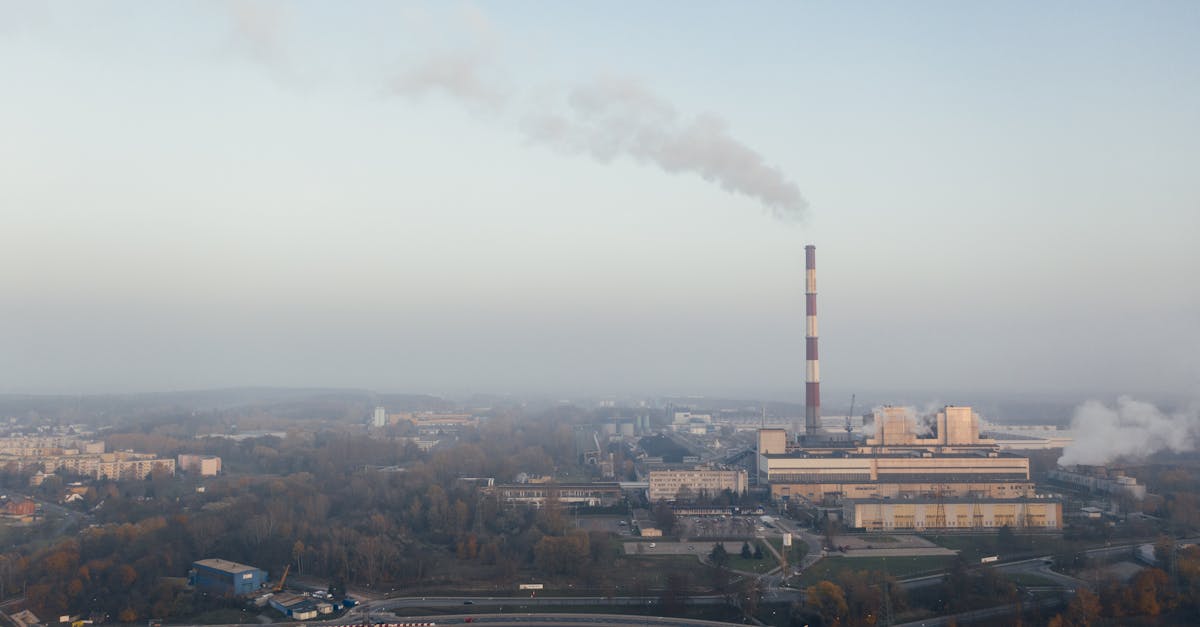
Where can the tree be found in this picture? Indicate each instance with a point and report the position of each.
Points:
(674, 597)
(746, 552)
(750, 595)
(1005, 539)
(828, 600)
(758, 552)
(1084, 609)
(664, 517)
(1150, 592)
(719, 556)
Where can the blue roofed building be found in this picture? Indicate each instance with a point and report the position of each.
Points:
(226, 578)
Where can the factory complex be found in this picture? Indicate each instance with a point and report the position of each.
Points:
(914, 472)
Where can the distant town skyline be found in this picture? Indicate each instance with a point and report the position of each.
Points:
(601, 198)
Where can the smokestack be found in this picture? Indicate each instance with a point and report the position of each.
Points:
(812, 385)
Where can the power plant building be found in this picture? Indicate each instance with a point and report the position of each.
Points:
(913, 472)
(909, 466)
(888, 514)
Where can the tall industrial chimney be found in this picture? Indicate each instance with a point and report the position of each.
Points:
(812, 385)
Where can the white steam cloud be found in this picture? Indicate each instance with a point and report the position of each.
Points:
(1132, 430)
(607, 119)
(611, 118)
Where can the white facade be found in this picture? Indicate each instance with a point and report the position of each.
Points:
(666, 484)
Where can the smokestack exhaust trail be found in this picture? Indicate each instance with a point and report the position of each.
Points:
(812, 385)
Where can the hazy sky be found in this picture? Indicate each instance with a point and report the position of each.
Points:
(600, 197)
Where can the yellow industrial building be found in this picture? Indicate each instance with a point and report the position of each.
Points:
(908, 463)
(888, 515)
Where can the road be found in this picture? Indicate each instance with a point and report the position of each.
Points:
(69, 516)
(991, 612)
(541, 620)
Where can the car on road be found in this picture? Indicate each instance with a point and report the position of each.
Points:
(468, 602)
(691, 548)
(652, 545)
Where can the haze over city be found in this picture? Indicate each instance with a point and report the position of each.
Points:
(586, 198)
(561, 314)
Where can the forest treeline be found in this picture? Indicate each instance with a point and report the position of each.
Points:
(347, 509)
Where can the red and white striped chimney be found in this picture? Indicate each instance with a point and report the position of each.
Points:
(812, 385)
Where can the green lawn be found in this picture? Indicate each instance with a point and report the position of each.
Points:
(975, 546)
(879, 539)
(737, 562)
(1031, 579)
(899, 567)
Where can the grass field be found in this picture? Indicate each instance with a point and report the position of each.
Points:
(971, 547)
(899, 567)
(879, 539)
(1030, 579)
(737, 562)
(722, 613)
(975, 546)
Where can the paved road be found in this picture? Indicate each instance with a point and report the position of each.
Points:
(991, 612)
(541, 620)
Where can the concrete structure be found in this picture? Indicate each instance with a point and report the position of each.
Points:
(1097, 479)
(569, 494)
(667, 484)
(812, 384)
(954, 428)
(1028, 437)
(904, 514)
(943, 455)
(379, 419)
(688, 422)
(203, 465)
(226, 578)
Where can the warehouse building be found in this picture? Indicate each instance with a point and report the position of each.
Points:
(569, 494)
(226, 578)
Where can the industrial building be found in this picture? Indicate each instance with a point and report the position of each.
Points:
(912, 472)
(900, 460)
(1097, 479)
(917, 515)
(226, 578)
(668, 485)
(570, 494)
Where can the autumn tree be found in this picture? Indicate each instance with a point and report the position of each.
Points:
(828, 600)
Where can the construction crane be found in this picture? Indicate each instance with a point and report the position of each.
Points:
(848, 415)
(279, 586)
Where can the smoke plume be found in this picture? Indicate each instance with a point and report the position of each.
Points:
(257, 32)
(1132, 430)
(610, 118)
(607, 119)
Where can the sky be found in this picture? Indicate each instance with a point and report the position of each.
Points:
(593, 198)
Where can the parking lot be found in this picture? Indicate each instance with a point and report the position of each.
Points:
(611, 524)
(677, 548)
(700, 527)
